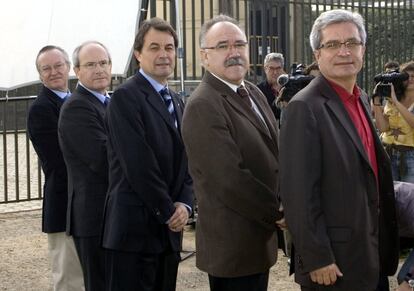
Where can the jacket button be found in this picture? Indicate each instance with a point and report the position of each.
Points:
(157, 212)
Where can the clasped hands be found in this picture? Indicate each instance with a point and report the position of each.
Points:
(179, 218)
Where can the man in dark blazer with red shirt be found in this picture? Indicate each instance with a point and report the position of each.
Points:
(53, 65)
(336, 184)
(150, 192)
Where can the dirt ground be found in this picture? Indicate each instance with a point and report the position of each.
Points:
(24, 264)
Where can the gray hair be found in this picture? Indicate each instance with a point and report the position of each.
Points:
(332, 17)
(274, 57)
(50, 48)
(75, 55)
(207, 25)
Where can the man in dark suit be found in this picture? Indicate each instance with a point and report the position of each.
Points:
(336, 183)
(83, 138)
(150, 193)
(53, 65)
(230, 135)
(273, 67)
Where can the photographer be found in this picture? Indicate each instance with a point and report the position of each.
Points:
(396, 123)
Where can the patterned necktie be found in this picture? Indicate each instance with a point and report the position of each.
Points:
(169, 103)
(106, 101)
(244, 94)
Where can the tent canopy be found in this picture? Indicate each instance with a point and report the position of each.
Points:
(27, 26)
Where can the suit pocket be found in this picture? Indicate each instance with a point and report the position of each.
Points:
(339, 234)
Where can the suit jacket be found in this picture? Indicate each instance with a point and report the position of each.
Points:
(82, 137)
(42, 122)
(270, 96)
(233, 160)
(334, 208)
(148, 170)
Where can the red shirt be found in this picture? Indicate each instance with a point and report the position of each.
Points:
(356, 112)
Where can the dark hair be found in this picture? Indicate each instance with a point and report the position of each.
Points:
(391, 65)
(157, 24)
(49, 48)
(207, 25)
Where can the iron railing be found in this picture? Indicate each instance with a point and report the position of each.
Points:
(20, 173)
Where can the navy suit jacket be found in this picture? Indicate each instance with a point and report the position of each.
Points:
(42, 122)
(83, 139)
(147, 169)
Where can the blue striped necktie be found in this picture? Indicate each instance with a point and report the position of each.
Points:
(106, 101)
(169, 103)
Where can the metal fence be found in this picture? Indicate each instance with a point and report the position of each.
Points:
(271, 25)
(20, 172)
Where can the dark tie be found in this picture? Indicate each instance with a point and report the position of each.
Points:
(66, 97)
(169, 103)
(106, 101)
(244, 94)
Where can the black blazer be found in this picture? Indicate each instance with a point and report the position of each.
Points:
(148, 170)
(270, 97)
(83, 140)
(42, 122)
(333, 207)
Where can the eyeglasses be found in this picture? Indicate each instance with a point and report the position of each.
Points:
(225, 46)
(48, 69)
(336, 45)
(274, 69)
(92, 65)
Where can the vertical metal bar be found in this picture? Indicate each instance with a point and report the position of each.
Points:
(16, 152)
(5, 178)
(29, 194)
(194, 38)
(153, 8)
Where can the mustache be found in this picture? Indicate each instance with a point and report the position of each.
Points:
(234, 61)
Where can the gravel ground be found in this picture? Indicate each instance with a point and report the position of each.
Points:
(24, 264)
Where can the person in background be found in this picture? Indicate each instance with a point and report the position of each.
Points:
(53, 65)
(335, 180)
(273, 67)
(150, 195)
(83, 139)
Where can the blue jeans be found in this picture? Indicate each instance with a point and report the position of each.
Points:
(405, 161)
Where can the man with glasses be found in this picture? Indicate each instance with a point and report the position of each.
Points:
(53, 65)
(230, 134)
(336, 184)
(82, 137)
(273, 68)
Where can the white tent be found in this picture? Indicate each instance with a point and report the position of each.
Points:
(27, 25)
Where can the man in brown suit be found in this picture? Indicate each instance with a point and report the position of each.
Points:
(231, 142)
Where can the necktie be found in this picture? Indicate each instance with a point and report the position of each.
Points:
(106, 101)
(169, 103)
(66, 97)
(244, 94)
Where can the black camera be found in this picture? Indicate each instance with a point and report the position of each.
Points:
(294, 82)
(385, 79)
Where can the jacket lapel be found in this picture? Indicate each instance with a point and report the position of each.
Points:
(235, 100)
(337, 107)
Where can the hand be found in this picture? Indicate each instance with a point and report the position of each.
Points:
(393, 95)
(179, 218)
(404, 287)
(282, 224)
(326, 275)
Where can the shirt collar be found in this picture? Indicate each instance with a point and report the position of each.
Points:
(232, 86)
(98, 95)
(155, 84)
(61, 94)
(344, 94)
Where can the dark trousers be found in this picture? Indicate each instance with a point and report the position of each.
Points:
(92, 259)
(129, 271)
(256, 282)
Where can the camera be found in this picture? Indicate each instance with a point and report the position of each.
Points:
(294, 82)
(384, 88)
